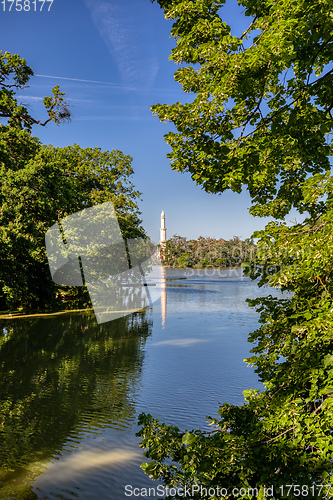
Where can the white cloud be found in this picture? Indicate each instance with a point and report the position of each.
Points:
(128, 42)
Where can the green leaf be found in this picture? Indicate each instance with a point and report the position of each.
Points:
(328, 360)
(188, 438)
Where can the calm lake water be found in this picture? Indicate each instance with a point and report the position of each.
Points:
(71, 390)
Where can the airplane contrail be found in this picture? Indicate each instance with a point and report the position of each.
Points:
(79, 80)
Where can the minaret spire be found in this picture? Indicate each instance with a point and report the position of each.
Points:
(163, 229)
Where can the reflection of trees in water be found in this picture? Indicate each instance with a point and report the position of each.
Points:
(58, 373)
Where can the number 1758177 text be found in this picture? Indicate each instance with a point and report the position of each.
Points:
(26, 5)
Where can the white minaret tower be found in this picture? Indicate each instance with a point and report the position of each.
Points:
(163, 230)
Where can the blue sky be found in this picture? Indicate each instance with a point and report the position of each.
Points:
(111, 59)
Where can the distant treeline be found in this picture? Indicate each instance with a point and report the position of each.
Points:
(208, 252)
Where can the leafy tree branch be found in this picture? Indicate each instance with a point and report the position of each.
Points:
(14, 75)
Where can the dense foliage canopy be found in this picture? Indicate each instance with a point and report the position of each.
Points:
(261, 119)
(263, 98)
(39, 186)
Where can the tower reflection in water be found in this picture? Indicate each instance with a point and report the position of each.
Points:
(163, 295)
(156, 281)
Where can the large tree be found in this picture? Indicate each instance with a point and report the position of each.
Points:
(261, 119)
(40, 185)
(43, 187)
